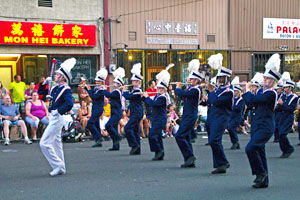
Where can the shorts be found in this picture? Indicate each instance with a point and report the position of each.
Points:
(10, 122)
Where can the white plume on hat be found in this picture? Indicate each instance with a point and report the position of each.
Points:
(298, 84)
(273, 62)
(66, 67)
(164, 76)
(285, 76)
(258, 77)
(215, 61)
(235, 81)
(136, 69)
(119, 74)
(194, 65)
(101, 74)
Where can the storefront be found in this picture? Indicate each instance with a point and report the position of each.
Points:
(35, 44)
(153, 61)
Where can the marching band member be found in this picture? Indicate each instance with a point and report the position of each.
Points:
(221, 101)
(97, 96)
(288, 104)
(236, 117)
(278, 111)
(204, 102)
(132, 128)
(191, 99)
(61, 103)
(159, 114)
(265, 101)
(255, 85)
(116, 108)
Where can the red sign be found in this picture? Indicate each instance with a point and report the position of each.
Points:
(46, 34)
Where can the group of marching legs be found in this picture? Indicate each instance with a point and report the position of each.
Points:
(225, 111)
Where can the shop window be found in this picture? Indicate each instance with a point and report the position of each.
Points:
(210, 38)
(86, 66)
(34, 66)
(45, 3)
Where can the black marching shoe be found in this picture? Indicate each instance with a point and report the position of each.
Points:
(98, 143)
(189, 163)
(135, 151)
(259, 181)
(298, 144)
(158, 155)
(286, 155)
(235, 146)
(221, 169)
(113, 149)
(207, 144)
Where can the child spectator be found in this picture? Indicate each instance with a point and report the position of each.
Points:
(29, 91)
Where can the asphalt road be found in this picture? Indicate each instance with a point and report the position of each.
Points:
(100, 174)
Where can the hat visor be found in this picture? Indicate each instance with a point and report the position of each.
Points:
(222, 74)
(194, 77)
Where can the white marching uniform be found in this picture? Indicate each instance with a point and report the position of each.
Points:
(51, 144)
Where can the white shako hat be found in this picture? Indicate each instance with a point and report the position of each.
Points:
(236, 83)
(66, 67)
(101, 74)
(289, 83)
(163, 77)
(119, 74)
(272, 67)
(213, 81)
(279, 84)
(193, 68)
(136, 72)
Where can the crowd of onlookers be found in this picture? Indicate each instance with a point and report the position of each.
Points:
(27, 107)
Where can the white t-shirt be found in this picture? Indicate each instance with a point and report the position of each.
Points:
(103, 122)
(202, 110)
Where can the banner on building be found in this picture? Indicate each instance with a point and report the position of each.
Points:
(47, 34)
(278, 28)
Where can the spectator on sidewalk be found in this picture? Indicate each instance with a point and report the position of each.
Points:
(83, 94)
(29, 91)
(3, 92)
(11, 116)
(84, 113)
(36, 112)
(42, 88)
(107, 108)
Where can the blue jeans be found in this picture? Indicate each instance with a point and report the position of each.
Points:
(33, 123)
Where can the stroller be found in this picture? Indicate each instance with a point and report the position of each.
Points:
(72, 130)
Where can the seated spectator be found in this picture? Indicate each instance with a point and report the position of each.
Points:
(84, 114)
(36, 112)
(122, 123)
(172, 126)
(29, 91)
(107, 108)
(3, 92)
(11, 116)
(103, 121)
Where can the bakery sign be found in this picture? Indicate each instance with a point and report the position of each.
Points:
(47, 34)
(278, 28)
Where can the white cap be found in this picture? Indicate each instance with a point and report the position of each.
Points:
(101, 74)
(289, 83)
(223, 71)
(119, 74)
(237, 88)
(136, 72)
(270, 73)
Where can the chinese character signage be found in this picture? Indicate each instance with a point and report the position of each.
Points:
(182, 41)
(46, 34)
(171, 28)
(276, 28)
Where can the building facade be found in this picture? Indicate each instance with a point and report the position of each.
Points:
(35, 32)
(161, 32)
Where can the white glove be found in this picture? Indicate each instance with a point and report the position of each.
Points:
(48, 80)
(54, 112)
